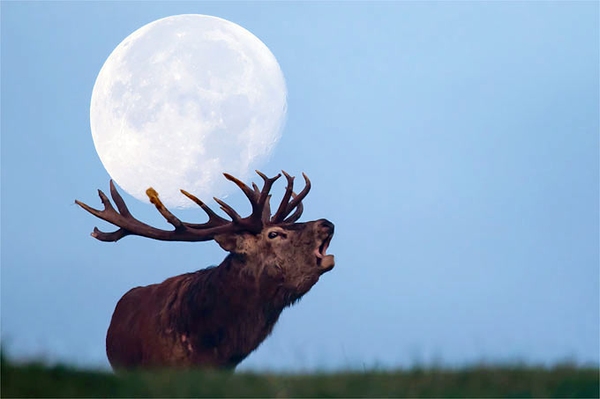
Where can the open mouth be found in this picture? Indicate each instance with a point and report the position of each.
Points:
(324, 261)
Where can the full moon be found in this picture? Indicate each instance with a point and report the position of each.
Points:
(182, 100)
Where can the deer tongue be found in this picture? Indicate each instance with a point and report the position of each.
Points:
(324, 261)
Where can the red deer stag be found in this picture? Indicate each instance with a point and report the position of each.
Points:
(215, 317)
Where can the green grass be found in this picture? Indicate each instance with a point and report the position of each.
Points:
(38, 380)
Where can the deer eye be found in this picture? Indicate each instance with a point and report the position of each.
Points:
(273, 234)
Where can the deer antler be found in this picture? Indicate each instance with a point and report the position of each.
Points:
(260, 216)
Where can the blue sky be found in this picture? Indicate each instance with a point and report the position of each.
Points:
(454, 145)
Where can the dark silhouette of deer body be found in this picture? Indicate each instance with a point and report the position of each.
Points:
(216, 317)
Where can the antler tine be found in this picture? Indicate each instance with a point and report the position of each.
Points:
(256, 189)
(250, 194)
(94, 211)
(235, 217)
(297, 213)
(109, 237)
(105, 201)
(118, 200)
(282, 209)
(266, 188)
(172, 219)
(266, 214)
(214, 220)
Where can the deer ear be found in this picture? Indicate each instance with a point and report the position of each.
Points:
(229, 242)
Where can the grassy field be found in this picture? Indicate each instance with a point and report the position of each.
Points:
(38, 380)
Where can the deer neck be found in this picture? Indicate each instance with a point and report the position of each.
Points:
(253, 286)
(232, 310)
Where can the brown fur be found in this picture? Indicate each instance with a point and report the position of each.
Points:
(216, 317)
